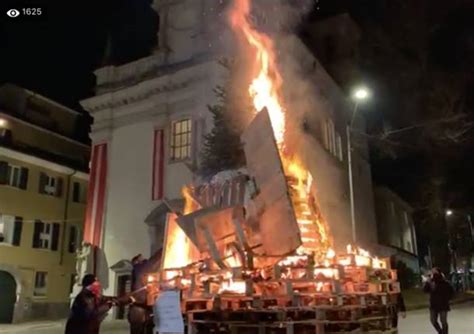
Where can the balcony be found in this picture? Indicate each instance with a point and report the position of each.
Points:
(77, 164)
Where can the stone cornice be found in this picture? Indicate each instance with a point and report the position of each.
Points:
(172, 81)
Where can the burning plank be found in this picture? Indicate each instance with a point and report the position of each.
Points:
(279, 230)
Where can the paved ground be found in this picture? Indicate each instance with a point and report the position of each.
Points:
(461, 321)
(57, 327)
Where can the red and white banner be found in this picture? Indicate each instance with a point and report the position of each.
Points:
(158, 164)
(96, 195)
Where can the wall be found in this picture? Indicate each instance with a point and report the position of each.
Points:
(311, 99)
(129, 129)
(60, 265)
(393, 229)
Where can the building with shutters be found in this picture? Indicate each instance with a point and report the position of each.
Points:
(43, 185)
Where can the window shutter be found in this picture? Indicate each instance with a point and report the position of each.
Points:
(3, 172)
(17, 231)
(72, 239)
(39, 226)
(24, 178)
(59, 186)
(43, 179)
(76, 192)
(55, 237)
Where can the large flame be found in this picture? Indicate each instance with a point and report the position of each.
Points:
(264, 90)
(264, 87)
(178, 248)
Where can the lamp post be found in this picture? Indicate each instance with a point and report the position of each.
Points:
(360, 94)
(469, 263)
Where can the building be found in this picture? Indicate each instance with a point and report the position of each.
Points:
(396, 229)
(150, 116)
(43, 184)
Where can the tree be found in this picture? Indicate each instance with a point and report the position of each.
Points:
(222, 146)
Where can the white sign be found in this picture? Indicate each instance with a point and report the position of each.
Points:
(167, 311)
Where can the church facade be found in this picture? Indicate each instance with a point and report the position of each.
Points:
(149, 119)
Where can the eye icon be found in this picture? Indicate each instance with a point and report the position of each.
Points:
(13, 13)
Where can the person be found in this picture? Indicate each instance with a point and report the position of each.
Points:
(88, 309)
(139, 313)
(399, 308)
(440, 294)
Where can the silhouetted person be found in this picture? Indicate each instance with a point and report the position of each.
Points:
(440, 294)
(399, 308)
(139, 314)
(88, 309)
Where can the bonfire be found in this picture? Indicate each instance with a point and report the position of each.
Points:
(256, 240)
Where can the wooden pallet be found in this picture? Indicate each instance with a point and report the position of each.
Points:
(321, 320)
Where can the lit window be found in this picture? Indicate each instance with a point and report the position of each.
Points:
(14, 176)
(41, 279)
(6, 228)
(10, 229)
(181, 140)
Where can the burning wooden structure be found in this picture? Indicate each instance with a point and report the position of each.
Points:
(251, 254)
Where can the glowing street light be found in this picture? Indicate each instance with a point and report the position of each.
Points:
(449, 212)
(361, 93)
(2, 122)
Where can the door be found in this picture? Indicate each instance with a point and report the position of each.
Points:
(123, 287)
(8, 293)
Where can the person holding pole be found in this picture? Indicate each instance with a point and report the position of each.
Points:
(139, 314)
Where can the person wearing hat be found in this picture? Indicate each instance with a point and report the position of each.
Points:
(139, 313)
(89, 308)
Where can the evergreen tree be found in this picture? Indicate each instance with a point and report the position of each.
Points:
(222, 146)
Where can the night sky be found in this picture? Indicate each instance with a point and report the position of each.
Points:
(55, 55)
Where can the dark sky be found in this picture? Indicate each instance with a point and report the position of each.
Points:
(56, 54)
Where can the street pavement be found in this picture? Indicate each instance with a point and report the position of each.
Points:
(57, 327)
(461, 321)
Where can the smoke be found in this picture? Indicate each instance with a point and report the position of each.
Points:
(277, 16)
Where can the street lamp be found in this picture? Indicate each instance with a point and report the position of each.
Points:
(470, 262)
(2, 122)
(359, 95)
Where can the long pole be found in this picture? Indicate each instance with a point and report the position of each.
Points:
(351, 181)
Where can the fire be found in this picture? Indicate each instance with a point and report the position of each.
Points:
(232, 258)
(178, 248)
(232, 286)
(264, 87)
(190, 203)
(264, 91)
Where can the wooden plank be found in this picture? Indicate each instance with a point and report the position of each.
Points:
(278, 227)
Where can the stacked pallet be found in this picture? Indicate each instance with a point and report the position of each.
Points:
(298, 297)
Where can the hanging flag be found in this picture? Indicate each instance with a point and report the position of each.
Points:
(158, 164)
(96, 195)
